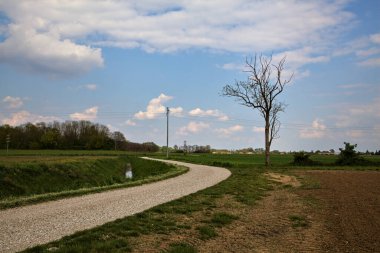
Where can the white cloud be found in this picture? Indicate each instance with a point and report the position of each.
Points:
(300, 57)
(372, 62)
(176, 111)
(342, 120)
(368, 52)
(316, 131)
(365, 48)
(223, 118)
(353, 86)
(318, 125)
(297, 59)
(258, 129)
(23, 117)
(355, 133)
(13, 102)
(375, 38)
(351, 47)
(46, 52)
(294, 63)
(357, 117)
(197, 112)
(91, 86)
(193, 127)
(156, 108)
(233, 66)
(130, 123)
(88, 114)
(230, 130)
(365, 110)
(56, 36)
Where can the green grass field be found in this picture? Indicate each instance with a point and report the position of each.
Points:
(237, 160)
(3, 152)
(34, 178)
(244, 160)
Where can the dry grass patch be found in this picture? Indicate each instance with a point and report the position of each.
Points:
(283, 179)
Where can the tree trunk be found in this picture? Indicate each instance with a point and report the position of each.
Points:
(267, 141)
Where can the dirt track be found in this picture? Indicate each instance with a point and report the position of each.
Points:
(41, 223)
(350, 209)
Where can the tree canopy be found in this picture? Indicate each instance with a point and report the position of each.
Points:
(78, 135)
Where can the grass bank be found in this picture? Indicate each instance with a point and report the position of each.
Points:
(47, 152)
(27, 180)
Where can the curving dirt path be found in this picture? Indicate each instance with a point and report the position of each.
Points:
(28, 226)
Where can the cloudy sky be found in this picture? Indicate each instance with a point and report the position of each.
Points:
(121, 63)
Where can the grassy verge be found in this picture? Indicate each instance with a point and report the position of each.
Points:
(28, 181)
(33, 199)
(177, 226)
(21, 152)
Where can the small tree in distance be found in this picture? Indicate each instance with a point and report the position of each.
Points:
(348, 155)
(260, 92)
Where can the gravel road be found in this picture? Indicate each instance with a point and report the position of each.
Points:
(28, 226)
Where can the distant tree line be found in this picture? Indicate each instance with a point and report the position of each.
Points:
(377, 152)
(77, 135)
(192, 149)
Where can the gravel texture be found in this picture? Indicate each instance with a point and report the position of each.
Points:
(28, 226)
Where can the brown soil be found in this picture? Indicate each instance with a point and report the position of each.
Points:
(267, 227)
(338, 212)
(350, 209)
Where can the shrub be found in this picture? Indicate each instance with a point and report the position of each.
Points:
(349, 156)
(302, 158)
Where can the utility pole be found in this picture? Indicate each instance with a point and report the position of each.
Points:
(167, 132)
(8, 139)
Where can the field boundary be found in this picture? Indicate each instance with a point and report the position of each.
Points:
(34, 199)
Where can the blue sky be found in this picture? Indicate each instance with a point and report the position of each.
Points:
(120, 63)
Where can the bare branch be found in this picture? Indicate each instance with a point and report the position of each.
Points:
(260, 92)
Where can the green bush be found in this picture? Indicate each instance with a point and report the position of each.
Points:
(302, 158)
(349, 156)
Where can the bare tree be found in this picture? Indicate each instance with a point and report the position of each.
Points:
(260, 92)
